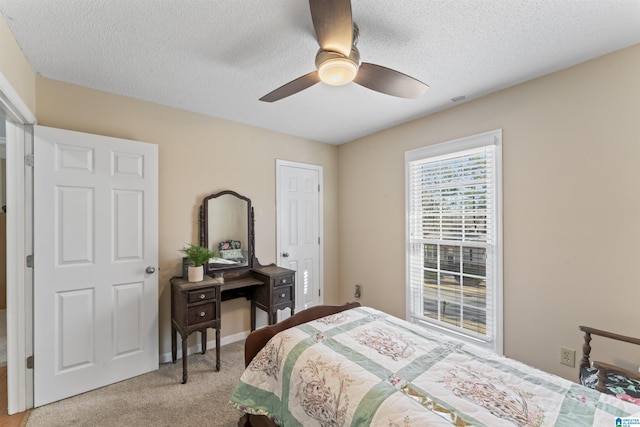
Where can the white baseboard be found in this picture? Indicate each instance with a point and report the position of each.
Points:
(211, 345)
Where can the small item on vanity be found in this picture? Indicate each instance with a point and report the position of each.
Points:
(195, 273)
(199, 255)
(218, 277)
(186, 262)
(231, 254)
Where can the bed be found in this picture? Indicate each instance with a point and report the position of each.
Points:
(606, 377)
(353, 365)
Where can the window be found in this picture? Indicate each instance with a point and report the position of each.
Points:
(454, 238)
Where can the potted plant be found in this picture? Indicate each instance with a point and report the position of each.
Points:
(199, 255)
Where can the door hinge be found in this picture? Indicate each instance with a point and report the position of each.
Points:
(30, 362)
(28, 160)
(318, 188)
(30, 261)
(318, 292)
(318, 240)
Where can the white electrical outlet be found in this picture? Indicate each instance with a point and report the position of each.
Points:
(567, 357)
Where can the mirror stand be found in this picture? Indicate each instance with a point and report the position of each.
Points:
(228, 217)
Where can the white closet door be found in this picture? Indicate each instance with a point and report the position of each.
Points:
(299, 228)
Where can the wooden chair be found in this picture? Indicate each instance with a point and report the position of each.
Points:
(607, 378)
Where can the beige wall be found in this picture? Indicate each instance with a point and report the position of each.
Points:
(198, 156)
(571, 154)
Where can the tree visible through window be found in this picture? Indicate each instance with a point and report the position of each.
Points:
(453, 213)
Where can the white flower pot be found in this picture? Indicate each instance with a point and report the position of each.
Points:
(196, 274)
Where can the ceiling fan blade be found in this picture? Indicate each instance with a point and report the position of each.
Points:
(293, 87)
(388, 81)
(333, 24)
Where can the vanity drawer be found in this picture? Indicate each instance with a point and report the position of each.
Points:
(201, 295)
(283, 280)
(282, 295)
(201, 313)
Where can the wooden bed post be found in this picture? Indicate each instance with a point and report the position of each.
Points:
(586, 350)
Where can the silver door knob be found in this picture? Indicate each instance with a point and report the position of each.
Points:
(285, 254)
(150, 270)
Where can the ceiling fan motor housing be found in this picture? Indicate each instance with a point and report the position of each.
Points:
(336, 69)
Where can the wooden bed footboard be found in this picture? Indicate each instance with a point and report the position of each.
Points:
(249, 420)
(260, 337)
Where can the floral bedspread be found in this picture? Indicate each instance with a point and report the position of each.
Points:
(364, 367)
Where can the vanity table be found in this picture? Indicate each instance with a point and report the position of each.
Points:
(278, 292)
(195, 307)
(227, 217)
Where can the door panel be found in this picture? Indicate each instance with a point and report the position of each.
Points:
(128, 337)
(95, 232)
(308, 297)
(73, 216)
(75, 318)
(128, 220)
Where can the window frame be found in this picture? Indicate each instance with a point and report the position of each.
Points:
(494, 138)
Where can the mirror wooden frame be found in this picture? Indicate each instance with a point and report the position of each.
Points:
(204, 233)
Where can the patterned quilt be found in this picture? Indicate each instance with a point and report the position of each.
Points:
(363, 367)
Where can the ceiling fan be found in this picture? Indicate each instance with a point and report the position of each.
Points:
(338, 60)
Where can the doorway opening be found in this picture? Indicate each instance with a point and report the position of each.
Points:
(3, 243)
(17, 119)
(8, 387)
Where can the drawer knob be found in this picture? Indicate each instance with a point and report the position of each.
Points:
(283, 281)
(201, 296)
(282, 295)
(202, 313)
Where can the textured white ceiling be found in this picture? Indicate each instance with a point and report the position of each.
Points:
(218, 57)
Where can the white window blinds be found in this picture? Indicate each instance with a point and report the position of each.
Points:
(453, 235)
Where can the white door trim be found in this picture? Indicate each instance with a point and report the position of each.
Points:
(12, 105)
(318, 168)
(19, 277)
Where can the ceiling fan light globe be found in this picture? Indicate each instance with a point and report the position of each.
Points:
(338, 71)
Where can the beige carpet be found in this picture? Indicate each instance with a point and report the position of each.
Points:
(157, 398)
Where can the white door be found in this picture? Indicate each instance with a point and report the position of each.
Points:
(300, 228)
(95, 235)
